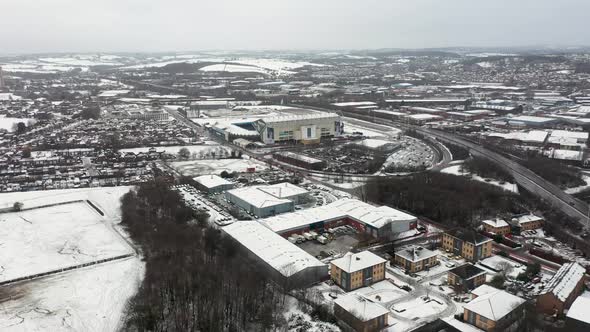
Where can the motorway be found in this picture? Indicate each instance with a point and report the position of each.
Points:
(522, 175)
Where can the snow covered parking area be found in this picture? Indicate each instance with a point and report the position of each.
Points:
(56, 237)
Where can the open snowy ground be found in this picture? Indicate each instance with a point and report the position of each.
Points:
(50, 238)
(8, 123)
(89, 299)
(106, 198)
(216, 166)
(456, 170)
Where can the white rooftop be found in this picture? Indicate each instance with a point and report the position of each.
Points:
(528, 218)
(496, 223)
(283, 190)
(256, 197)
(354, 103)
(579, 309)
(570, 134)
(529, 118)
(358, 261)
(361, 307)
(303, 117)
(272, 248)
(494, 305)
(565, 280)
(415, 253)
(211, 181)
(483, 290)
(344, 208)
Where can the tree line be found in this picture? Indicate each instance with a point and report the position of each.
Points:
(195, 278)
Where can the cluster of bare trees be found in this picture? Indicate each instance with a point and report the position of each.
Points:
(446, 198)
(195, 279)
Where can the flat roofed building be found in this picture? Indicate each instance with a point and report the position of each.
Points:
(496, 226)
(415, 258)
(307, 129)
(356, 270)
(577, 318)
(467, 244)
(360, 313)
(259, 202)
(382, 221)
(466, 277)
(286, 263)
(300, 160)
(495, 311)
(286, 190)
(561, 291)
(527, 222)
(213, 183)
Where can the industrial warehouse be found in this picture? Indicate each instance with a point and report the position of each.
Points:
(379, 222)
(286, 263)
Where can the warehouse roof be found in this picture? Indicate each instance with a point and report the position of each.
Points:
(344, 208)
(283, 190)
(211, 181)
(532, 119)
(272, 248)
(415, 253)
(256, 197)
(494, 305)
(357, 261)
(528, 218)
(304, 117)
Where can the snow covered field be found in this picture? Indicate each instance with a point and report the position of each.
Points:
(576, 190)
(106, 198)
(8, 123)
(216, 166)
(89, 299)
(456, 170)
(92, 298)
(237, 69)
(56, 237)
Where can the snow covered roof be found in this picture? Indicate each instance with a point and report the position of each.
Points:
(528, 218)
(533, 136)
(565, 280)
(570, 134)
(579, 309)
(531, 119)
(459, 325)
(422, 116)
(361, 307)
(303, 117)
(297, 156)
(283, 190)
(496, 223)
(352, 262)
(344, 208)
(415, 253)
(272, 248)
(494, 305)
(483, 290)
(212, 181)
(355, 103)
(257, 197)
(468, 235)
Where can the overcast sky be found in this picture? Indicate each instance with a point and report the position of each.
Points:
(182, 25)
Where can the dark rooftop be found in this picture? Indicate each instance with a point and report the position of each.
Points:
(468, 235)
(467, 271)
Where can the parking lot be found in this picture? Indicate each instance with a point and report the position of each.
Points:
(344, 240)
(199, 201)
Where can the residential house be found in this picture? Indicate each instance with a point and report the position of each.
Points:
(467, 244)
(466, 277)
(357, 270)
(561, 291)
(495, 311)
(360, 313)
(414, 258)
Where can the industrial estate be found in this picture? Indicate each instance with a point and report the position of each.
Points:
(386, 190)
